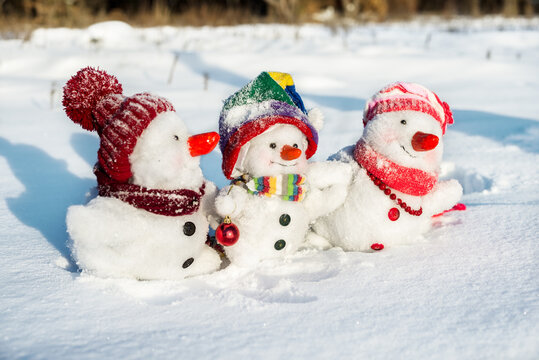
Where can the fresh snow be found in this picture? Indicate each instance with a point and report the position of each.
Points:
(470, 291)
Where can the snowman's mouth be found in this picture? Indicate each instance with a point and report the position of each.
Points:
(406, 151)
(286, 165)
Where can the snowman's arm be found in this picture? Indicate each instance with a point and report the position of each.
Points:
(329, 182)
(231, 201)
(443, 197)
(208, 204)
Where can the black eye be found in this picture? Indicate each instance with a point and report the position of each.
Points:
(176, 137)
(273, 145)
(403, 122)
(295, 145)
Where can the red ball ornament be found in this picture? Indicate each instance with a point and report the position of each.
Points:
(227, 234)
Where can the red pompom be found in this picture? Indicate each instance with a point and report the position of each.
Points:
(83, 92)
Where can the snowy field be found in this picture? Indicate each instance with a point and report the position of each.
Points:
(470, 291)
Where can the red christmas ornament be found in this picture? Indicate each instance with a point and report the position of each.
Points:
(377, 247)
(227, 234)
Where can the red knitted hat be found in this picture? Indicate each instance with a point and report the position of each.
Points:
(94, 100)
(403, 96)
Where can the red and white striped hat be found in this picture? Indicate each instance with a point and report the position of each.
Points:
(93, 99)
(403, 96)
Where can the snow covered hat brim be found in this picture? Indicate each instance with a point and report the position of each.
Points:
(254, 121)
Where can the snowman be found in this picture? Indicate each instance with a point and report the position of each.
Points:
(395, 189)
(266, 138)
(150, 219)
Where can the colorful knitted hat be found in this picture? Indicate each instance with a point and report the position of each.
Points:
(93, 99)
(403, 96)
(269, 99)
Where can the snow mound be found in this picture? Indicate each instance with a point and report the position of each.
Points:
(470, 179)
(111, 34)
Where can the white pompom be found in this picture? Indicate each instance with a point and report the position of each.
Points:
(316, 118)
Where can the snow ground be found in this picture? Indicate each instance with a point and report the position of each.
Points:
(470, 291)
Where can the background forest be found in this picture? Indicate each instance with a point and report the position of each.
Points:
(28, 14)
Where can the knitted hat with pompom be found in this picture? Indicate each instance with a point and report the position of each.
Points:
(269, 99)
(403, 96)
(93, 99)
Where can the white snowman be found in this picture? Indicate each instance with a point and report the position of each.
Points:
(395, 164)
(266, 139)
(150, 219)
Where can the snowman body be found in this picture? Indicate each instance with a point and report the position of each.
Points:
(363, 219)
(113, 238)
(372, 215)
(269, 226)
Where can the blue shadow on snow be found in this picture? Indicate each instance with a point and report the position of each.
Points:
(339, 102)
(216, 73)
(503, 129)
(86, 145)
(49, 190)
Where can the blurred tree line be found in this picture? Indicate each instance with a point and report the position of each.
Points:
(229, 12)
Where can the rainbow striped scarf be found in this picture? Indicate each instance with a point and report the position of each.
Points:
(287, 187)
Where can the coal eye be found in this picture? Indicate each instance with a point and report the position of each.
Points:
(403, 122)
(273, 145)
(295, 145)
(176, 137)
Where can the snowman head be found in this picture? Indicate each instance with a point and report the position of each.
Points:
(279, 150)
(408, 138)
(137, 133)
(405, 123)
(259, 125)
(167, 157)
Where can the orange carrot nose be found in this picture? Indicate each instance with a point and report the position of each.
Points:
(424, 142)
(290, 153)
(202, 144)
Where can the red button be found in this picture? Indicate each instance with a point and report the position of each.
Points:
(377, 247)
(393, 214)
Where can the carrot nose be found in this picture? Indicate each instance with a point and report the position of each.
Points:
(202, 144)
(424, 142)
(290, 153)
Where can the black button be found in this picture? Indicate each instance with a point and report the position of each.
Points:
(187, 262)
(279, 244)
(189, 228)
(284, 220)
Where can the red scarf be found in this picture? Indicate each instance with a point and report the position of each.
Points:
(404, 179)
(161, 202)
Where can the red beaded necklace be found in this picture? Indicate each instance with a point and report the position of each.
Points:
(393, 213)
